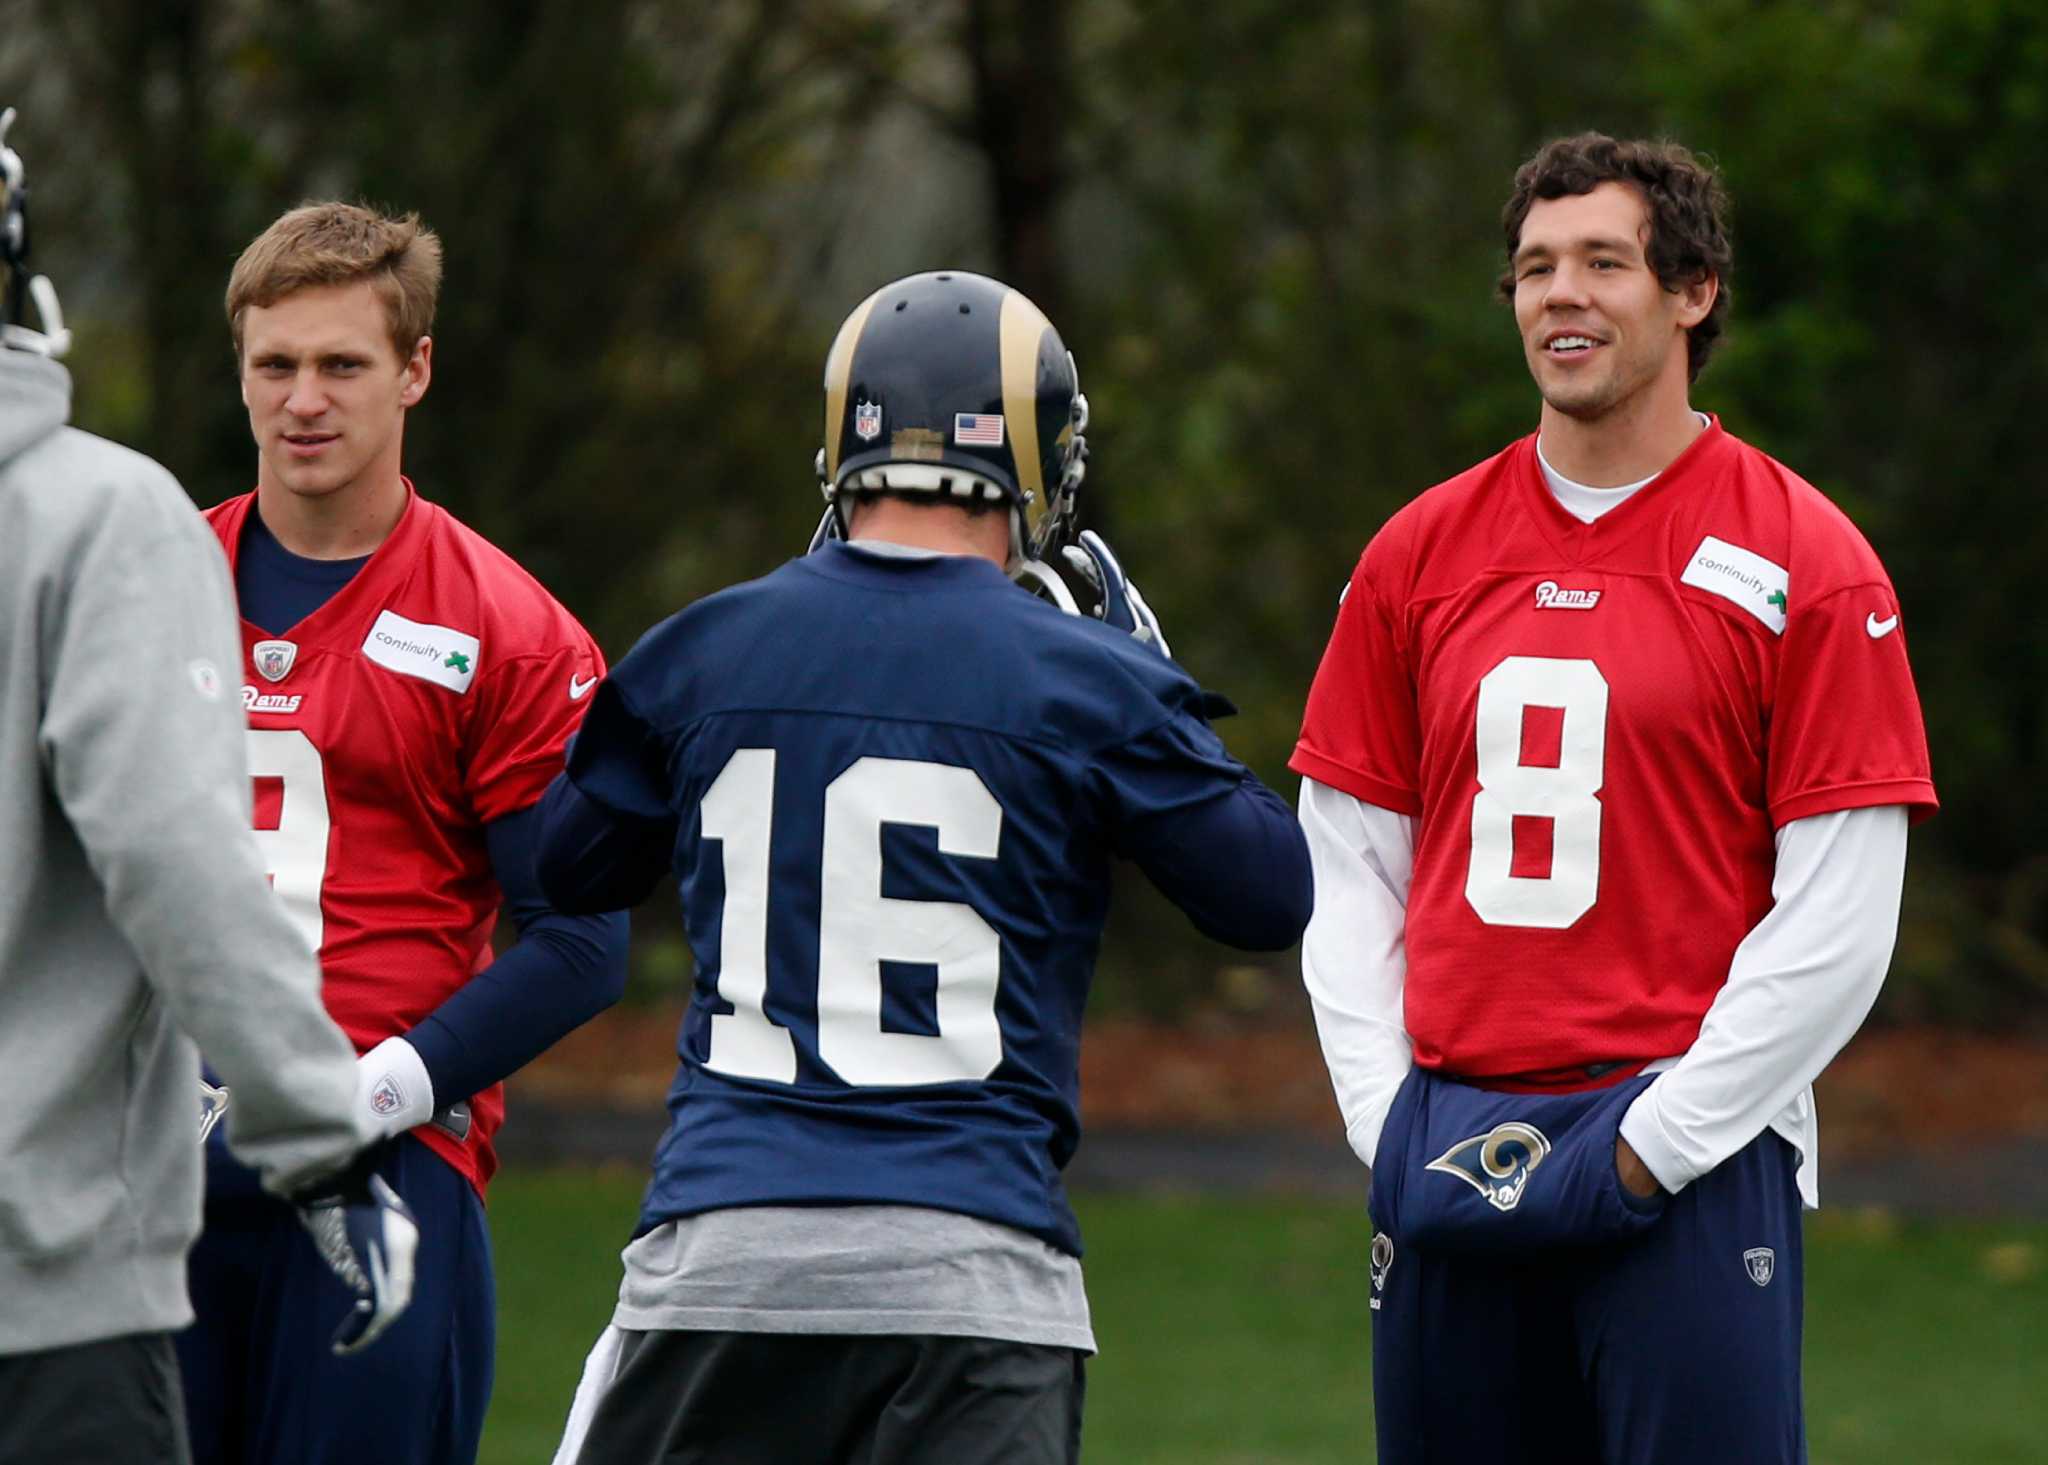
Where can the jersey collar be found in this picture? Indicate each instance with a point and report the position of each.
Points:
(345, 616)
(1579, 541)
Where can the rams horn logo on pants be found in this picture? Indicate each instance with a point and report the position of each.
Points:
(1498, 1163)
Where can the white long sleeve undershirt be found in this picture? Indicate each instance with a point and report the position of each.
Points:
(1799, 986)
(1354, 954)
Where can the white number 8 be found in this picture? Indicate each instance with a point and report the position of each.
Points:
(1567, 795)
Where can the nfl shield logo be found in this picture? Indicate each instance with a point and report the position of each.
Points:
(867, 421)
(1760, 1260)
(274, 658)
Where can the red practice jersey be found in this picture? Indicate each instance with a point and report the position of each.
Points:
(1600, 727)
(431, 695)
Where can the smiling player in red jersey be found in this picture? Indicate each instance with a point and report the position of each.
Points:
(410, 691)
(1607, 773)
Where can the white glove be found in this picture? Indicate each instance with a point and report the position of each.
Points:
(393, 1092)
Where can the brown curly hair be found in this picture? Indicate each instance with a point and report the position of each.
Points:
(1687, 205)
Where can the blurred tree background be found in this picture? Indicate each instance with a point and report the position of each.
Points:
(1268, 230)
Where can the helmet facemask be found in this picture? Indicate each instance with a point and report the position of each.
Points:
(17, 285)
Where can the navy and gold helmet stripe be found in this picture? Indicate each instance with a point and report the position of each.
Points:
(1023, 331)
(838, 370)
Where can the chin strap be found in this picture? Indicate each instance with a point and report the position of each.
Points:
(20, 286)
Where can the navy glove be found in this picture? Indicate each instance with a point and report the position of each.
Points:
(1118, 602)
(366, 1235)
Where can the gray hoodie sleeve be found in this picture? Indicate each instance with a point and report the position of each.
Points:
(144, 744)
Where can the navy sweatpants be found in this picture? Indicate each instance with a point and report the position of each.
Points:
(1528, 1311)
(262, 1383)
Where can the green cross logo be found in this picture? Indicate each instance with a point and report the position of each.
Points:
(461, 663)
(1777, 598)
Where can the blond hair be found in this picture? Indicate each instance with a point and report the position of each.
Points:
(339, 244)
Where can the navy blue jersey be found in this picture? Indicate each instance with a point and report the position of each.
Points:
(891, 789)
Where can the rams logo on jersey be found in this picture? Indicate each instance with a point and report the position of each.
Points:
(1498, 1163)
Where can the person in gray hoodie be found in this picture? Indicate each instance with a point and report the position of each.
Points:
(135, 917)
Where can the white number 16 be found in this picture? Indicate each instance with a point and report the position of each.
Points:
(858, 927)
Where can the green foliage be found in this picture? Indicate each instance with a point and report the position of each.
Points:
(1887, 231)
(1888, 239)
(1271, 238)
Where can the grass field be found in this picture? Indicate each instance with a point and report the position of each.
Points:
(1234, 1332)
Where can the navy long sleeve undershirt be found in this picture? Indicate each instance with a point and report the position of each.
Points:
(563, 969)
(277, 589)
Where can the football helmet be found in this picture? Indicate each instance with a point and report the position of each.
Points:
(17, 285)
(956, 385)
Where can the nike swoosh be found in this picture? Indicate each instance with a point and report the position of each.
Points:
(577, 690)
(1880, 628)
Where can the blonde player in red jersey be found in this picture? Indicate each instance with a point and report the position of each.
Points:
(410, 690)
(1607, 773)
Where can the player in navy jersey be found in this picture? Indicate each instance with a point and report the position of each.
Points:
(409, 692)
(1607, 774)
(892, 785)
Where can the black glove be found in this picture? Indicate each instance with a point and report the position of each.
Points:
(364, 1232)
(1118, 602)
